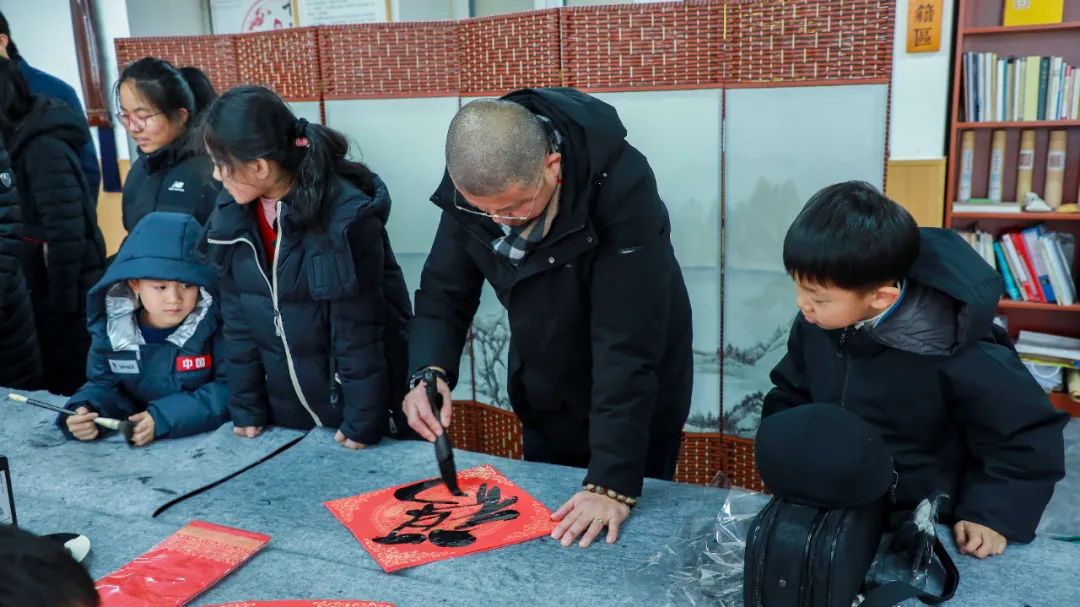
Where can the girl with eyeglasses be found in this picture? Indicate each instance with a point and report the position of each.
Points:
(159, 104)
(315, 306)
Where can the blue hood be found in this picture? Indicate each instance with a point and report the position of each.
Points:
(160, 247)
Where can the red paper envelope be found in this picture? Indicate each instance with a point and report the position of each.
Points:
(181, 567)
(423, 522)
(322, 603)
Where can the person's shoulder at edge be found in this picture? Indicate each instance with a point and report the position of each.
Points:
(44, 83)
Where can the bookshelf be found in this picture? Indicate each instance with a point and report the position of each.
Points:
(1064, 403)
(1038, 124)
(1009, 304)
(1024, 218)
(980, 30)
(1026, 29)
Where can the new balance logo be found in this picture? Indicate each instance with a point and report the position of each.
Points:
(177, 186)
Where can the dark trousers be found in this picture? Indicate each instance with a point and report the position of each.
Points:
(571, 449)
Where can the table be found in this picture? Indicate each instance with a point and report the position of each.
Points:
(312, 556)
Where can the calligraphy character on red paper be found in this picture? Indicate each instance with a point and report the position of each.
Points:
(434, 513)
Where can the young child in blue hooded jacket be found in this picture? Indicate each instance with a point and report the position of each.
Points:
(156, 358)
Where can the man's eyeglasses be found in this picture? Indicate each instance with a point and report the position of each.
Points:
(135, 120)
(504, 217)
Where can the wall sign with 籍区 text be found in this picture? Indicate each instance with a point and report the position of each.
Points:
(924, 26)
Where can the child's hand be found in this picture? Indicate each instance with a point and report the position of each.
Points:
(143, 433)
(82, 426)
(978, 541)
(247, 431)
(348, 442)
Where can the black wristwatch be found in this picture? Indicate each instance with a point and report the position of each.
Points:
(418, 376)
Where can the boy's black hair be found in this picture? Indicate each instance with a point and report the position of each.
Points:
(849, 235)
(37, 571)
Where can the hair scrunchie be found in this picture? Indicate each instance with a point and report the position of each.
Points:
(301, 133)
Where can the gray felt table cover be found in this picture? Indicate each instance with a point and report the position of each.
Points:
(108, 476)
(283, 497)
(273, 573)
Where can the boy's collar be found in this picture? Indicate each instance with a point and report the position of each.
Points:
(880, 318)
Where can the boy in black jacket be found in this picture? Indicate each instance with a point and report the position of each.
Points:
(896, 325)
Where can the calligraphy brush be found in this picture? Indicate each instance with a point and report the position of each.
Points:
(123, 426)
(444, 451)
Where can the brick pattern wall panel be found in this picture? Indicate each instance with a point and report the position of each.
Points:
(286, 61)
(692, 44)
(667, 45)
(810, 40)
(506, 52)
(389, 60)
(215, 55)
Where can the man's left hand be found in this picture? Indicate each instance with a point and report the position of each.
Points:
(348, 443)
(586, 515)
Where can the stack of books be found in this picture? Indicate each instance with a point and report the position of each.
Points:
(1007, 89)
(1048, 349)
(1036, 265)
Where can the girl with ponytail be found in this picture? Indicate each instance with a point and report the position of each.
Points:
(159, 104)
(315, 305)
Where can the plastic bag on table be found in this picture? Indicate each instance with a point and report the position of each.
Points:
(703, 563)
(906, 554)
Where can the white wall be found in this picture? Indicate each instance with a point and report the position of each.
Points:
(42, 30)
(920, 88)
(428, 10)
(439, 10)
(166, 17)
(112, 23)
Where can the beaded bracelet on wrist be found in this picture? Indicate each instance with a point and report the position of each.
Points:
(615, 495)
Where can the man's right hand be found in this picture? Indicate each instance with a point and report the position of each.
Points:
(82, 425)
(418, 410)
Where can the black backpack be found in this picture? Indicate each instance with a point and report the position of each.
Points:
(813, 543)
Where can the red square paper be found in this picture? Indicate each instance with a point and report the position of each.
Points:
(319, 603)
(423, 522)
(181, 567)
(323, 603)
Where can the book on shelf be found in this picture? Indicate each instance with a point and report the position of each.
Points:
(1035, 265)
(1056, 160)
(986, 205)
(1019, 269)
(982, 242)
(1060, 268)
(1032, 12)
(997, 166)
(967, 163)
(1030, 93)
(1003, 266)
(1025, 164)
(1049, 347)
(1014, 88)
(1044, 78)
(1055, 169)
